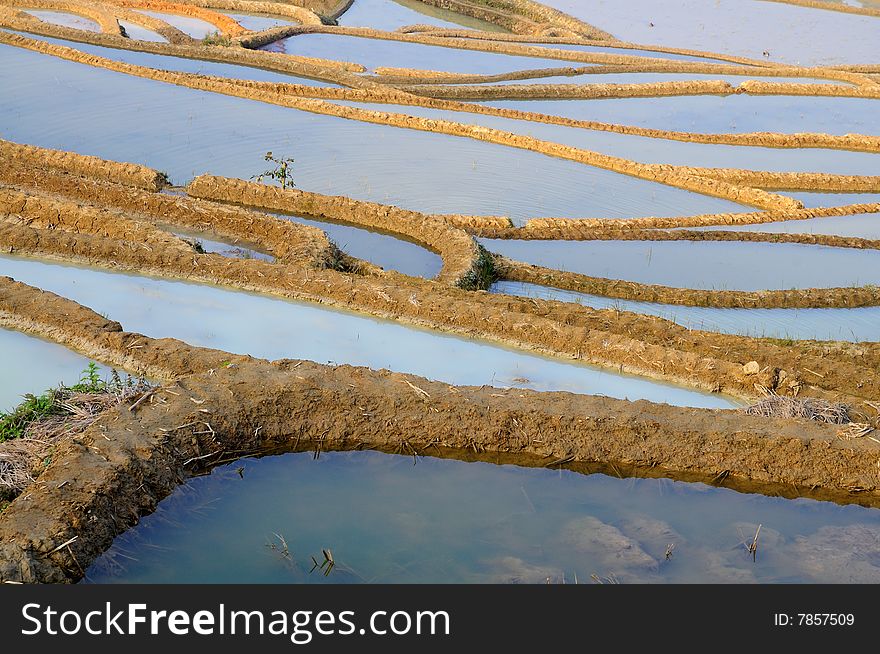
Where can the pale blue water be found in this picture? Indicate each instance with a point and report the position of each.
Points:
(748, 28)
(265, 327)
(653, 150)
(186, 132)
(386, 250)
(391, 15)
(723, 265)
(855, 325)
(863, 225)
(183, 65)
(195, 27)
(138, 33)
(33, 365)
(386, 520)
(65, 19)
(721, 114)
(376, 53)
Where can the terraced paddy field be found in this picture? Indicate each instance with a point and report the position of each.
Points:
(490, 291)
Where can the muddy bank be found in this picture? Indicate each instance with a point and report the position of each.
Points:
(644, 346)
(103, 16)
(223, 23)
(332, 71)
(665, 174)
(585, 228)
(850, 297)
(631, 343)
(300, 14)
(522, 16)
(366, 91)
(102, 481)
(463, 259)
(410, 76)
(287, 241)
(79, 164)
(106, 16)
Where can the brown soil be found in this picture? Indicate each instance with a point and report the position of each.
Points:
(458, 249)
(101, 482)
(827, 298)
(88, 211)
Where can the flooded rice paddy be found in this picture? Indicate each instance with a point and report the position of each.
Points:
(269, 328)
(386, 520)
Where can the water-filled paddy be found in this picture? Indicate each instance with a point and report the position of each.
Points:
(194, 27)
(377, 53)
(653, 150)
(390, 252)
(649, 78)
(863, 225)
(720, 265)
(33, 365)
(186, 132)
(391, 15)
(270, 328)
(259, 22)
(207, 243)
(748, 28)
(65, 19)
(138, 33)
(787, 114)
(386, 520)
(816, 199)
(862, 324)
(182, 64)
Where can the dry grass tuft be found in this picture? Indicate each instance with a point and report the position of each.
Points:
(63, 412)
(778, 406)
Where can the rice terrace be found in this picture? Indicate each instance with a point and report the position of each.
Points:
(359, 291)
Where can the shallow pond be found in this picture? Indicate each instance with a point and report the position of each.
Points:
(813, 199)
(185, 132)
(208, 316)
(386, 520)
(653, 150)
(65, 19)
(862, 225)
(207, 243)
(194, 27)
(720, 265)
(259, 22)
(862, 324)
(33, 365)
(747, 28)
(377, 53)
(723, 114)
(391, 15)
(390, 252)
(649, 78)
(139, 33)
(182, 64)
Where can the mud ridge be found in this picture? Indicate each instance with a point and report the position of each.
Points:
(104, 480)
(824, 298)
(459, 250)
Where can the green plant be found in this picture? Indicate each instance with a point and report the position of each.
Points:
(217, 39)
(482, 273)
(56, 401)
(281, 172)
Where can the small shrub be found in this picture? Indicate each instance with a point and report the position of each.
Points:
(217, 38)
(281, 172)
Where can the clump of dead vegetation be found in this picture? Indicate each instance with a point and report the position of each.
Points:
(31, 432)
(780, 406)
